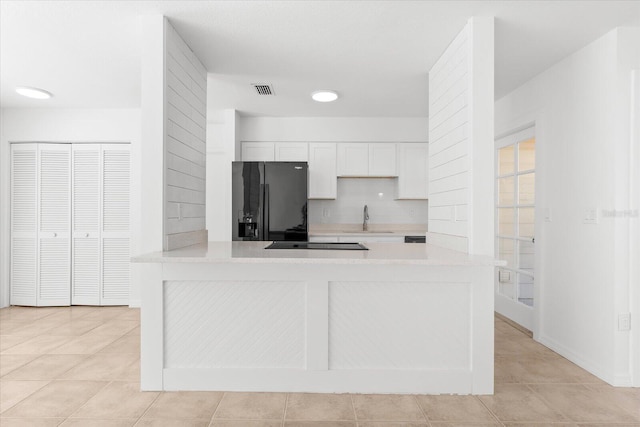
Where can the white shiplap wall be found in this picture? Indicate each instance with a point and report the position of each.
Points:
(185, 144)
(449, 139)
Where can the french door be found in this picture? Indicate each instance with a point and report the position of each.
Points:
(515, 221)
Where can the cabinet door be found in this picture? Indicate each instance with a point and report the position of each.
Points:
(86, 254)
(24, 226)
(382, 159)
(413, 171)
(323, 181)
(353, 159)
(258, 152)
(291, 152)
(54, 238)
(115, 224)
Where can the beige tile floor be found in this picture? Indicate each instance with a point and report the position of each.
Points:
(79, 366)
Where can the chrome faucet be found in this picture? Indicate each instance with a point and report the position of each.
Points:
(365, 226)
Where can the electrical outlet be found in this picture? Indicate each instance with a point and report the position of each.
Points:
(624, 321)
(326, 213)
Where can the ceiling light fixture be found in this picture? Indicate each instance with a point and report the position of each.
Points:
(32, 92)
(324, 95)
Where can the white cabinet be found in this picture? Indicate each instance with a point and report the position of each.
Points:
(40, 220)
(258, 151)
(274, 151)
(365, 160)
(382, 159)
(413, 171)
(323, 182)
(291, 152)
(353, 159)
(69, 224)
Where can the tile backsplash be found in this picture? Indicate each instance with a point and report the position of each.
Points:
(378, 194)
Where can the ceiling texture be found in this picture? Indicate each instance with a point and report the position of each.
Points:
(375, 54)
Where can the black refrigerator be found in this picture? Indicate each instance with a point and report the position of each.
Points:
(269, 201)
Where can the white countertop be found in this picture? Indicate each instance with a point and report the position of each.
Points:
(378, 253)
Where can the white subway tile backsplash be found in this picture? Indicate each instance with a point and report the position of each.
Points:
(378, 194)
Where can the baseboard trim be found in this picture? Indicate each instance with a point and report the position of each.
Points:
(585, 364)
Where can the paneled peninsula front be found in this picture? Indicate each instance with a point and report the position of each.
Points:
(398, 318)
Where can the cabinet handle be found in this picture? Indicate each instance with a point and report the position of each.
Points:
(86, 235)
(55, 234)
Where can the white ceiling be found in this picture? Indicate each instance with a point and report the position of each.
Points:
(376, 54)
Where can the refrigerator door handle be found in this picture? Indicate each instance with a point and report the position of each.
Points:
(266, 213)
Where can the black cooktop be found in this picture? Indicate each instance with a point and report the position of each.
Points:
(340, 246)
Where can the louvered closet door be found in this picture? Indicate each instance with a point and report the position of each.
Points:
(115, 224)
(86, 247)
(24, 227)
(54, 225)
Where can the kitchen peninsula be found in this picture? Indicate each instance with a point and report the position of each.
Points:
(397, 318)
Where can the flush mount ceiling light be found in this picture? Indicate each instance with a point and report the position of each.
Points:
(32, 92)
(324, 95)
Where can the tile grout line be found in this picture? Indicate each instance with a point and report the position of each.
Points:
(489, 410)
(286, 403)
(546, 402)
(353, 406)
(147, 410)
(424, 414)
(215, 410)
(81, 406)
(21, 400)
(213, 416)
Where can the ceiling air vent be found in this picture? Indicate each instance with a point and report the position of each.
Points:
(263, 89)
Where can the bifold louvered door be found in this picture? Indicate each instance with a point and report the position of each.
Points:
(69, 224)
(40, 223)
(86, 194)
(115, 224)
(100, 224)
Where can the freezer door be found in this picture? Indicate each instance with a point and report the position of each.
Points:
(286, 201)
(247, 200)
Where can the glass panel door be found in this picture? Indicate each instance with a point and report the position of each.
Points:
(515, 228)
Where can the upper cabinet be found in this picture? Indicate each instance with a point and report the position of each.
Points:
(278, 151)
(291, 152)
(382, 159)
(258, 152)
(362, 159)
(323, 181)
(413, 171)
(329, 160)
(353, 159)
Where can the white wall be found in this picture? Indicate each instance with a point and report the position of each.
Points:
(461, 141)
(185, 158)
(581, 111)
(334, 129)
(66, 125)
